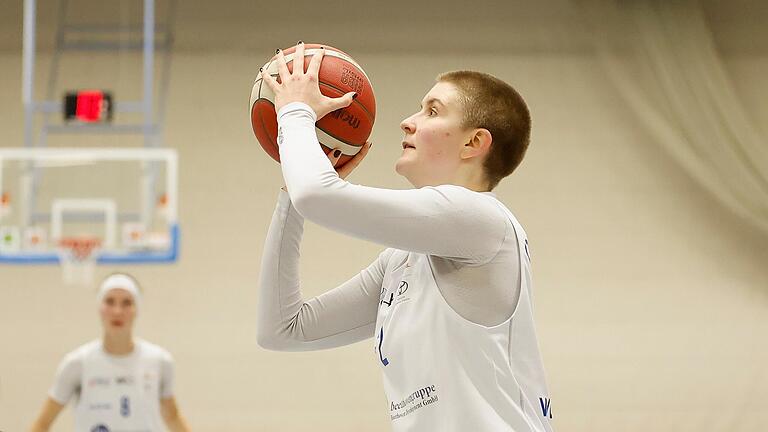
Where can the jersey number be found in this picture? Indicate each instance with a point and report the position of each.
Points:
(125, 406)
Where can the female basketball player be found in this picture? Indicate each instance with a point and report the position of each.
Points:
(449, 302)
(120, 383)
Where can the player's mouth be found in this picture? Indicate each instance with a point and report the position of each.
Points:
(116, 323)
(407, 145)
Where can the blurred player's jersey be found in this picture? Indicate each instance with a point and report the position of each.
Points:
(115, 393)
(445, 373)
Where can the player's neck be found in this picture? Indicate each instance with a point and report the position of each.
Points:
(472, 178)
(467, 177)
(118, 343)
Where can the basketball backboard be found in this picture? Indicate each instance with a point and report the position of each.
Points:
(125, 198)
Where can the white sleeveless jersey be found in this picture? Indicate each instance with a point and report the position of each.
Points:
(442, 372)
(445, 373)
(117, 393)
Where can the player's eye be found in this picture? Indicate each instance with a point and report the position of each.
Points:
(432, 112)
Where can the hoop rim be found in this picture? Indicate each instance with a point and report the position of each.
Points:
(81, 247)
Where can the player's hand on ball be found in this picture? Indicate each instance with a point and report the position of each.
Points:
(347, 168)
(300, 86)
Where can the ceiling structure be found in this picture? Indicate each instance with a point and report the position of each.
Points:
(546, 26)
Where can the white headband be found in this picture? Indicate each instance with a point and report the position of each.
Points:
(119, 281)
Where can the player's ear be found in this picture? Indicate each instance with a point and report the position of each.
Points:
(479, 144)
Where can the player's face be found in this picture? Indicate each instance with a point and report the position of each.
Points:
(434, 138)
(118, 310)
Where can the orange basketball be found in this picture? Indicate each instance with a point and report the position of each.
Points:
(346, 129)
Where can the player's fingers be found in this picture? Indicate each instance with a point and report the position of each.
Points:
(282, 68)
(298, 59)
(314, 65)
(270, 81)
(333, 156)
(340, 102)
(348, 167)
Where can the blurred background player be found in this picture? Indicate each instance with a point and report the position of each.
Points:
(119, 382)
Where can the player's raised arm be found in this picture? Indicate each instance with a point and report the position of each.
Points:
(443, 217)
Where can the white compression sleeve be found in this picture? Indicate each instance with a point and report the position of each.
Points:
(448, 221)
(286, 322)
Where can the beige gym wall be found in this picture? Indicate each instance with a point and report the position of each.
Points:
(651, 299)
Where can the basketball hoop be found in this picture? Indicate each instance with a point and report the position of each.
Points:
(78, 256)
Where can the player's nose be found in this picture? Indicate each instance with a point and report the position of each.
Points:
(408, 125)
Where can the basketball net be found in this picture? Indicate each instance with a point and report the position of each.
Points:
(78, 259)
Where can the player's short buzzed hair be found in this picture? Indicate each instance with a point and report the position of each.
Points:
(492, 104)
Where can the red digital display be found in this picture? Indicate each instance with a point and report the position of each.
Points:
(89, 105)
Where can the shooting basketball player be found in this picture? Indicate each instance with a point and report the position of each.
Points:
(448, 303)
(120, 383)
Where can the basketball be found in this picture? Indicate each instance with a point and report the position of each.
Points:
(346, 129)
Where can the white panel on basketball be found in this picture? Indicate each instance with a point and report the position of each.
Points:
(333, 143)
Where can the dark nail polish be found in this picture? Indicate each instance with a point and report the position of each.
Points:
(337, 153)
(277, 50)
(261, 69)
(299, 42)
(354, 95)
(322, 47)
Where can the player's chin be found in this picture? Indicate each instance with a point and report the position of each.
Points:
(401, 166)
(405, 166)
